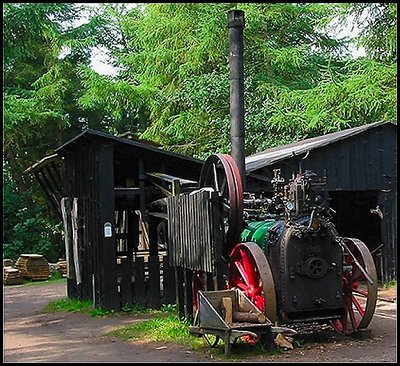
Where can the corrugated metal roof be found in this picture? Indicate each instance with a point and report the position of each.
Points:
(276, 154)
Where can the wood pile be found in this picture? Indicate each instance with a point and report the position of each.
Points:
(33, 266)
(62, 267)
(11, 276)
(8, 263)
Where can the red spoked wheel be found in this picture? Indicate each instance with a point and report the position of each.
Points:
(221, 173)
(250, 272)
(360, 288)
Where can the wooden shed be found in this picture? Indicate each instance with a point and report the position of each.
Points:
(103, 188)
(361, 168)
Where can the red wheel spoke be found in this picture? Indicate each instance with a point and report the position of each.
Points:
(248, 266)
(351, 313)
(242, 272)
(241, 286)
(358, 306)
(344, 320)
(363, 293)
(250, 272)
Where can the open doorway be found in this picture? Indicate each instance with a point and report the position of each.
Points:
(358, 216)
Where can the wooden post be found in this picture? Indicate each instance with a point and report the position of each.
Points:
(66, 215)
(179, 291)
(75, 249)
(168, 282)
(188, 295)
(107, 244)
(153, 295)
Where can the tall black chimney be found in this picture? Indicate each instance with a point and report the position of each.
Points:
(236, 25)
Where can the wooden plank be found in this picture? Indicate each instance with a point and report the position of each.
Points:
(66, 214)
(226, 305)
(179, 291)
(246, 317)
(220, 266)
(142, 178)
(107, 243)
(153, 236)
(75, 249)
(170, 178)
(154, 293)
(125, 284)
(188, 294)
(56, 183)
(49, 196)
(133, 232)
(139, 287)
(168, 295)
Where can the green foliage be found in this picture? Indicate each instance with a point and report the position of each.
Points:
(172, 84)
(40, 88)
(27, 230)
(174, 66)
(378, 24)
(69, 305)
(390, 283)
(73, 305)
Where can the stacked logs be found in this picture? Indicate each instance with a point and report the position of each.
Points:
(33, 266)
(11, 276)
(62, 267)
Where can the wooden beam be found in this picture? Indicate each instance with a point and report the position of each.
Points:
(66, 215)
(75, 248)
(107, 244)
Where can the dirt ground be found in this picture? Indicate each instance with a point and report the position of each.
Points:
(32, 336)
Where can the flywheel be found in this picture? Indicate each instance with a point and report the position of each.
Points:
(221, 173)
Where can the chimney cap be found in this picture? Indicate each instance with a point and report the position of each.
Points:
(235, 18)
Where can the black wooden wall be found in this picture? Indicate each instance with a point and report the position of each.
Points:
(366, 162)
(109, 178)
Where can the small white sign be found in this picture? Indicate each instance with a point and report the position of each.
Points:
(107, 230)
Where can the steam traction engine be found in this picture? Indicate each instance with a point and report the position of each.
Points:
(275, 259)
(284, 254)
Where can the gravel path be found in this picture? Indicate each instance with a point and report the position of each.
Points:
(35, 337)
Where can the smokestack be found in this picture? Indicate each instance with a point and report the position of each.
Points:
(236, 26)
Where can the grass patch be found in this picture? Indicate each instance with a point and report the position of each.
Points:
(390, 283)
(73, 305)
(165, 326)
(69, 305)
(172, 329)
(54, 277)
(166, 329)
(76, 306)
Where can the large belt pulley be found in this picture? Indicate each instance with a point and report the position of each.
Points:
(221, 173)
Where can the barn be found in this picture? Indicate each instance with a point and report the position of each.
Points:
(360, 165)
(109, 193)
